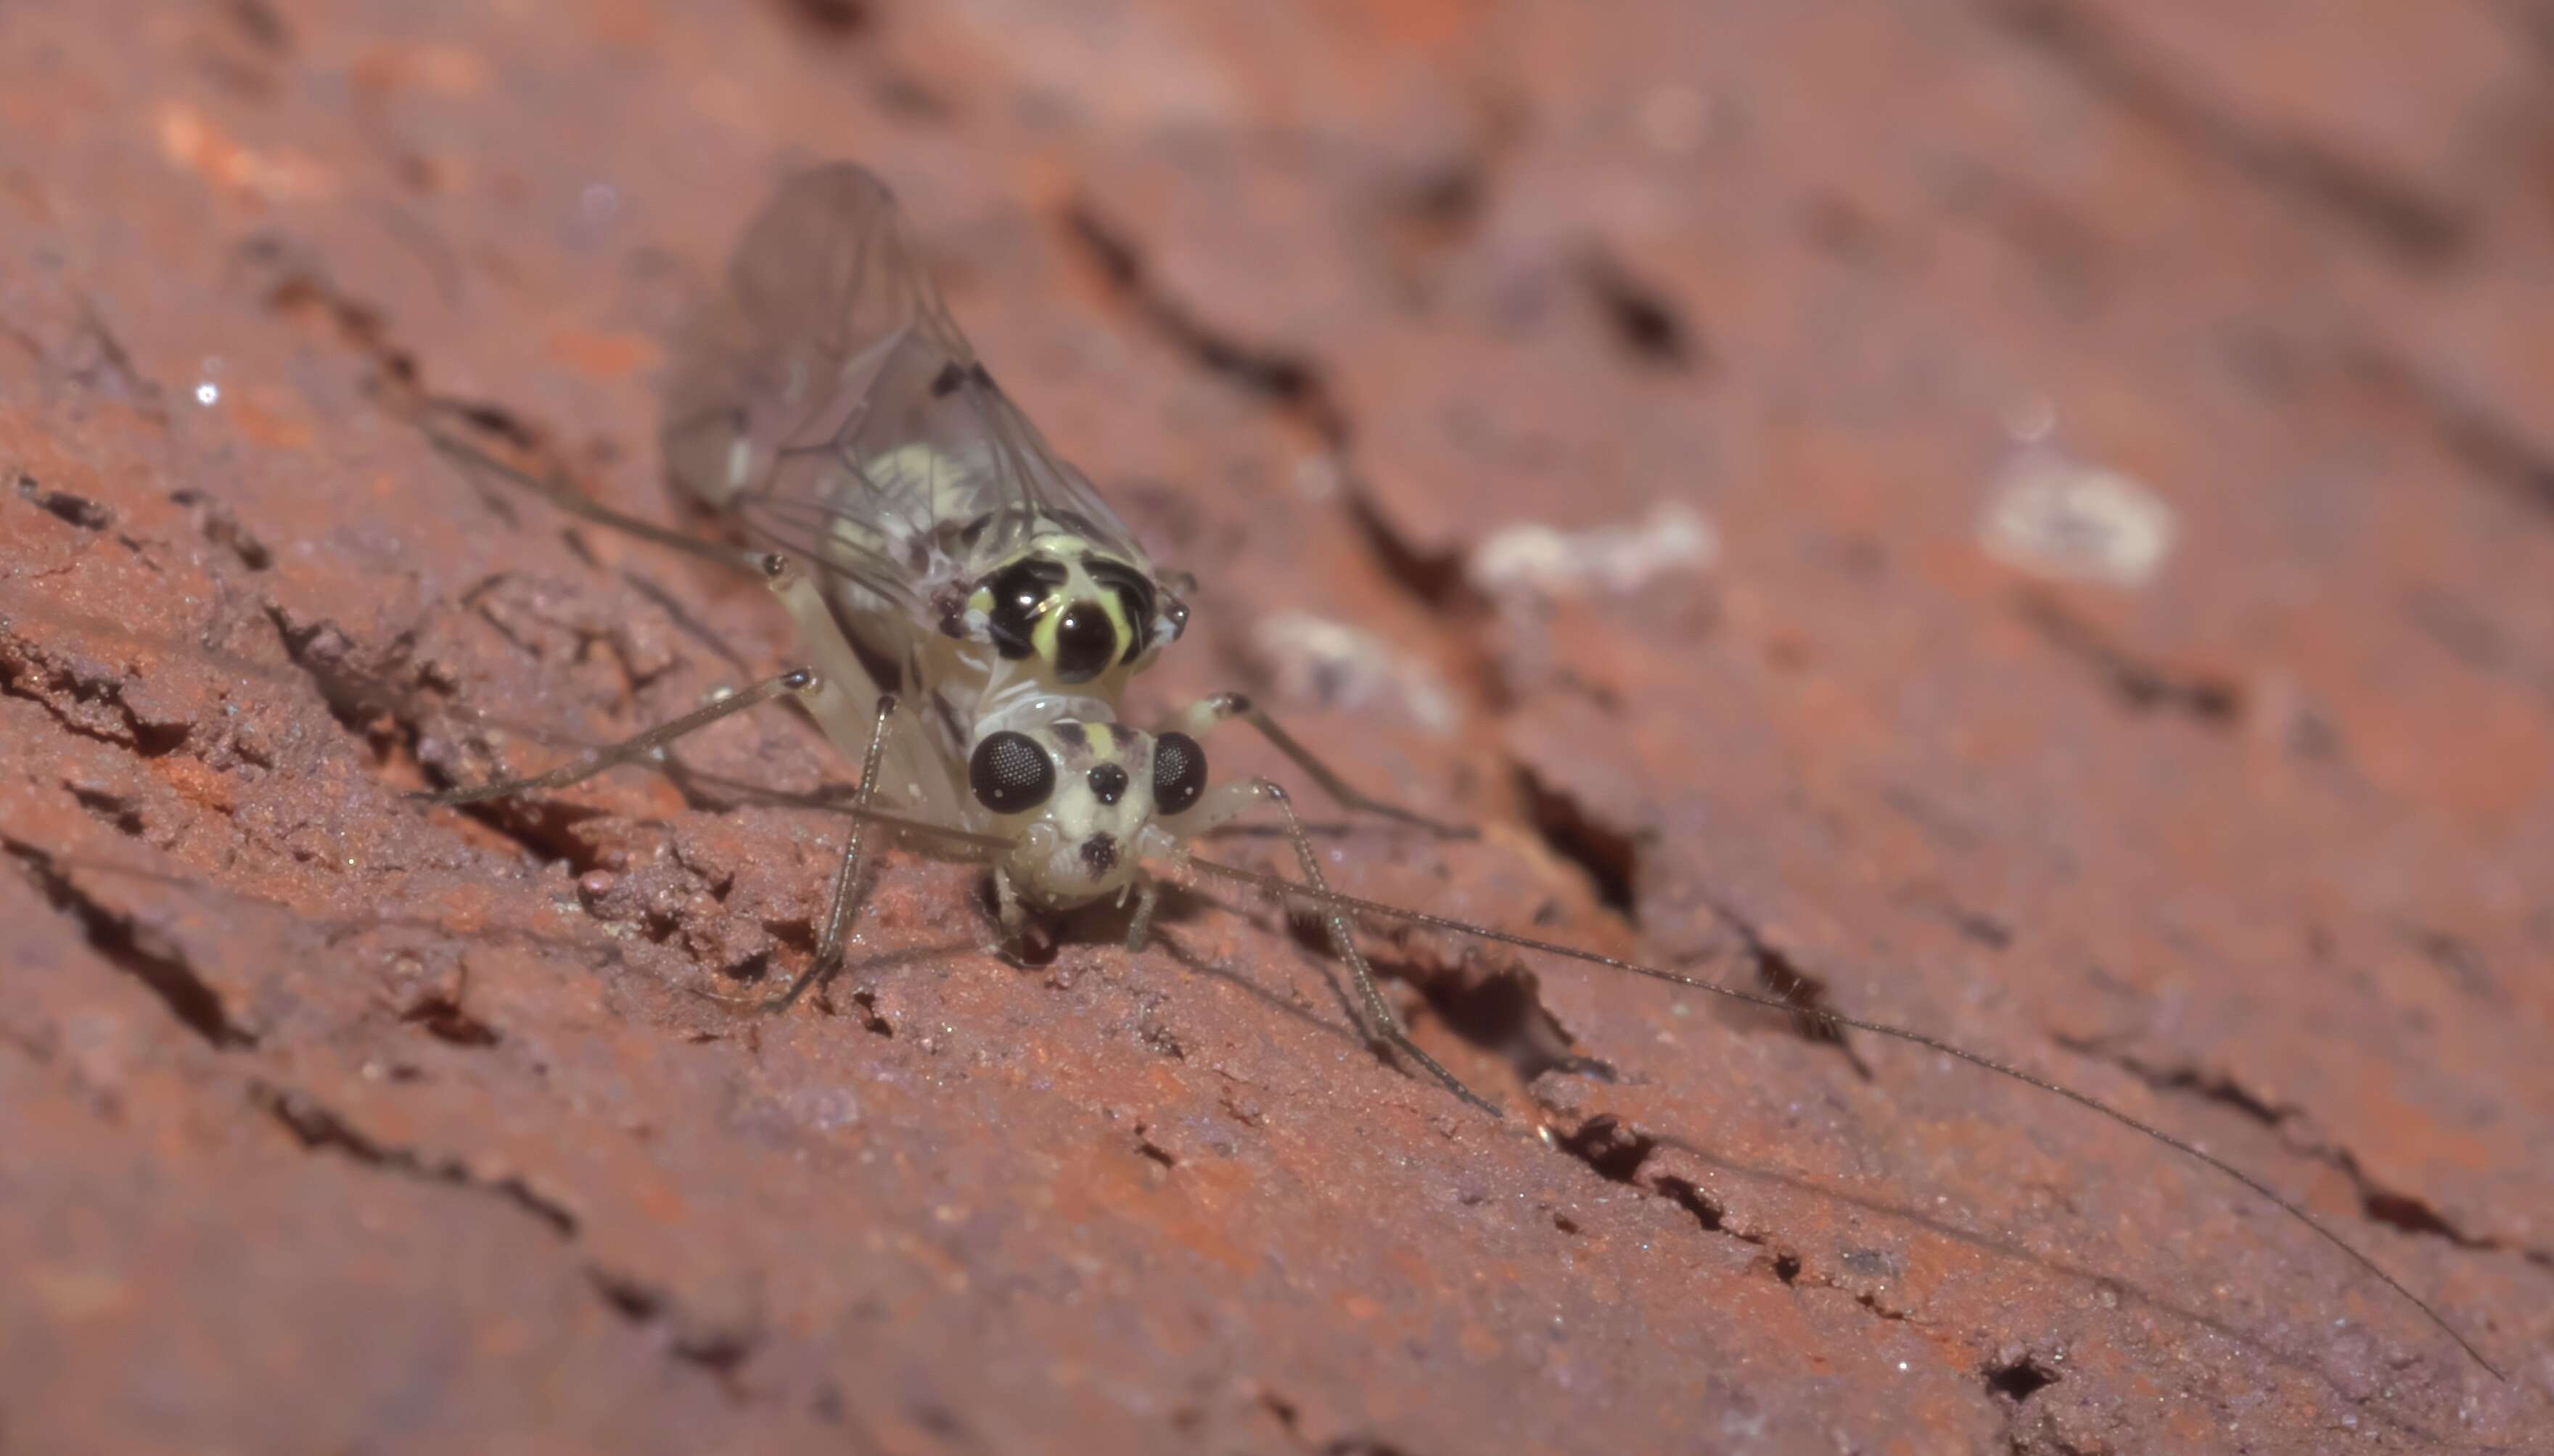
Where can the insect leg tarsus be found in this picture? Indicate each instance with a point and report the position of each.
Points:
(593, 761)
(1217, 708)
(843, 902)
(1229, 801)
(1025, 942)
(1139, 926)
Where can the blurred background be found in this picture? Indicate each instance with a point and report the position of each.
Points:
(2029, 518)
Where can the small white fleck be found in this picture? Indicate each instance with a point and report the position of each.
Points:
(2055, 516)
(207, 393)
(1902, 1365)
(1533, 559)
(1314, 659)
(2032, 420)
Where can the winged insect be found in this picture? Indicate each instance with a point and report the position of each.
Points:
(972, 612)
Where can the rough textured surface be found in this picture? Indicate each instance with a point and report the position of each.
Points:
(333, 1124)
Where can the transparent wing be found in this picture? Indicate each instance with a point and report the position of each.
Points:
(833, 404)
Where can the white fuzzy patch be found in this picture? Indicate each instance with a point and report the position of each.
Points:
(1617, 558)
(2055, 516)
(1313, 659)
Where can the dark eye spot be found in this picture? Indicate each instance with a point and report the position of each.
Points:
(1179, 772)
(1108, 783)
(1010, 773)
(1085, 643)
(1018, 592)
(1134, 593)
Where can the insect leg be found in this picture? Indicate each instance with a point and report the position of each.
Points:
(914, 779)
(843, 903)
(1018, 926)
(1205, 713)
(592, 761)
(1139, 926)
(1227, 802)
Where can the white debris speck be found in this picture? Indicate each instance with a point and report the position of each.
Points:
(1546, 561)
(1314, 659)
(208, 393)
(2056, 516)
(2032, 420)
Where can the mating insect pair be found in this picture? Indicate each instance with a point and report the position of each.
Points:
(973, 613)
(973, 608)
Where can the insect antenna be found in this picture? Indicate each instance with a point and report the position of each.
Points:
(559, 492)
(1287, 889)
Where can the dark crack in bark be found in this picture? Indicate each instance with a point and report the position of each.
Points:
(2491, 445)
(87, 696)
(1610, 857)
(2139, 684)
(2392, 214)
(132, 948)
(2396, 1207)
(1781, 977)
(720, 1347)
(320, 1129)
(1621, 1154)
(1647, 326)
(1280, 376)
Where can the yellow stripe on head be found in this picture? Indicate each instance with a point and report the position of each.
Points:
(1084, 638)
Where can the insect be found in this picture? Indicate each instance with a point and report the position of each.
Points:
(973, 613)
(974, 609)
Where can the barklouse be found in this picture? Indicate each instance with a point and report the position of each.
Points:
(972, 612)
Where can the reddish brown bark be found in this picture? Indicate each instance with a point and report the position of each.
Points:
(336, 1124)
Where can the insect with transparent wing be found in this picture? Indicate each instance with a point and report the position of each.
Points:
(974, 608)
(974, 611)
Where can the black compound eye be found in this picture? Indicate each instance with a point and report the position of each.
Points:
(1010, 773)
(1136, 593)
(1179, 772)
(1018, 593)
(1085, 641)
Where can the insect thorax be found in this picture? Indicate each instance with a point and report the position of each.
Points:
(1061, 610)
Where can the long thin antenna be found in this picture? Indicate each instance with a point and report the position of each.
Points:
(470, 456)
(1333, 899)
